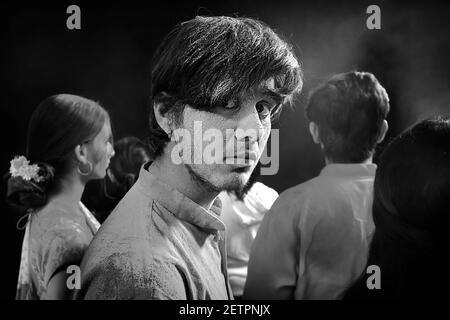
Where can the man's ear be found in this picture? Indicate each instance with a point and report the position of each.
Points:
(383, 130)
(314, 130)
(80, 153)
(162, 118)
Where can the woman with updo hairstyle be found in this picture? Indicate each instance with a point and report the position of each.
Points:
(411, 211)
(69, 143)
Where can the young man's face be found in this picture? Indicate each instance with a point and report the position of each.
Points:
(242, 128)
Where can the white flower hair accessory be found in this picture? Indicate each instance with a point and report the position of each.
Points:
(20, 167)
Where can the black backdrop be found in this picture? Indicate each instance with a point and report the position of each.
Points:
(108, 60)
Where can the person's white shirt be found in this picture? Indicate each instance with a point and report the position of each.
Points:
(242, 220)
(314, 241)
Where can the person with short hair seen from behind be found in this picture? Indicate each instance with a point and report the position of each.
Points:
(314, 241)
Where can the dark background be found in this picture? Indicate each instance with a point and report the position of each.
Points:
(108, 60)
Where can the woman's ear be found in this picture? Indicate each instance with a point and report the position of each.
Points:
(314, 131)
(80, 153)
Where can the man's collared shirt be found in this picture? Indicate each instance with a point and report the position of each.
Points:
(314, 241)
(157, 244)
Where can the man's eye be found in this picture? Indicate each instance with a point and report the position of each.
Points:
(263, 109)
(231, 106)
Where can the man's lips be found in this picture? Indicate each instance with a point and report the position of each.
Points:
(250, 156)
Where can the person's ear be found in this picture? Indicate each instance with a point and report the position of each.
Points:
(314, 130)
(383, 130)
(162, 117)
(81, 153)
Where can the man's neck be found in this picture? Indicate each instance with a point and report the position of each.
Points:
(178, 177)
(367, 161)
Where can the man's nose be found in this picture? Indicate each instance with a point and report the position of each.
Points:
(250, 127)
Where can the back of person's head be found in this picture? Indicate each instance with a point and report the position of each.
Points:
(131, 154)
(349, 111)
(412, 183)
(57, 126)
(411, 211)
(207, 61)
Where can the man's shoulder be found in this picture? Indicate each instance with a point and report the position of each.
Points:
(289, 203)
(135, 241)
(302, 190)
(309, 197)
(317, 189)
(131, 275)
(126, 268)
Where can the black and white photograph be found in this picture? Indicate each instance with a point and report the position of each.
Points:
(225, 150)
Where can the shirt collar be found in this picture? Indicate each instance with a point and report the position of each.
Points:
(349, 170)
(178, 204)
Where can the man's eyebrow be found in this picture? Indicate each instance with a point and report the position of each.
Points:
(276, 97)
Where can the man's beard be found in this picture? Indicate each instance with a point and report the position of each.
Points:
(242, 192)
(234, 186)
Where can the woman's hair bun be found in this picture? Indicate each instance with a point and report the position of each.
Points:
(26, 194)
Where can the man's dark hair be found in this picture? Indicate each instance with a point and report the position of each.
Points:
(349, 110)
(207, 61)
